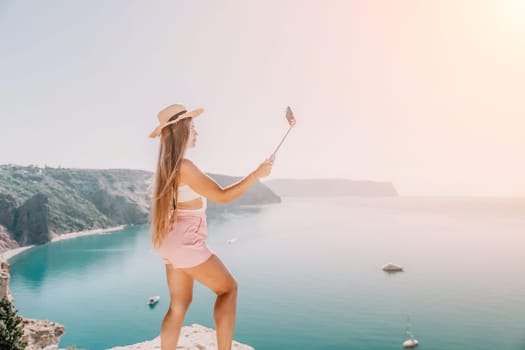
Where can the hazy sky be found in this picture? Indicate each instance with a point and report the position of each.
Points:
(426, 94)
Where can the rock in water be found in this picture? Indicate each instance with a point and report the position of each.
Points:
(391, 267)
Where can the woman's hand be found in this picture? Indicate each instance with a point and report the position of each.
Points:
(264, 169)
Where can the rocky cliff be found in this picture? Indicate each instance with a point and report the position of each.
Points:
(8, 205)
(68, 200)
(39, 203)
(6, 242)
(31, 221)
(42, 334)
(4, 281)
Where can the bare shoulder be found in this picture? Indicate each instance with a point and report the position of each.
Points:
(185, 163)
(199, 182)
(187, 167)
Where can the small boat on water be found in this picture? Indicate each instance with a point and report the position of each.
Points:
(231, 241)
(391, 267)
(153, 300)
(410, 343)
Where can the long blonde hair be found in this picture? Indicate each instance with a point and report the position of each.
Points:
(173, 140)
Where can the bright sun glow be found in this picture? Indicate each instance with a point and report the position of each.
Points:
(514, 13)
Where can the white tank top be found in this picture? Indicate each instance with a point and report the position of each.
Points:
(185, 193)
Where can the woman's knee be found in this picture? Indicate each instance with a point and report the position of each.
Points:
(231, 287)
(179, 305)
(234, 287)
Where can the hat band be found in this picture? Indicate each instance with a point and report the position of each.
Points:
(176, 115)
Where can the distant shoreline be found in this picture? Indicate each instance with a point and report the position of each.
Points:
(8, 254)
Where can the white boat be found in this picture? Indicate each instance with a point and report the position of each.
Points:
(153, 299)
(231, 241)
(410, 343)
(391, 267)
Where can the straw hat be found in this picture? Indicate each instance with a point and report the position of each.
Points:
(176, 113)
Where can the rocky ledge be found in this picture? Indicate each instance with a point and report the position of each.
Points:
(194, 337)
(41, 334)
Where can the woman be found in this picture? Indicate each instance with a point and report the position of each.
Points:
(179, 231)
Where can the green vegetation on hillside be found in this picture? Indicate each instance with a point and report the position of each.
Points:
(81, 199)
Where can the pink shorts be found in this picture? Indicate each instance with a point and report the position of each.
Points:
(185, 243)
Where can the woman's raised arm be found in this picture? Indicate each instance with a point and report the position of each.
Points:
(207, 187)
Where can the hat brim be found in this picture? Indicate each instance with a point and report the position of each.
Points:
(193, 114)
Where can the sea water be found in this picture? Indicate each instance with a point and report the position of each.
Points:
(309, 275)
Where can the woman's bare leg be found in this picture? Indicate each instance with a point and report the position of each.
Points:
(214, 275)
(180, 285)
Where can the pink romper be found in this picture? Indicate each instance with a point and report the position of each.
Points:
(185, 243)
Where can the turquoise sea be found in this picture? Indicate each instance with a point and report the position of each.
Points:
(309, 275)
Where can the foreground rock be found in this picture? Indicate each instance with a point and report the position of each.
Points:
(41, 334)
(4, 281)
(194, 337)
